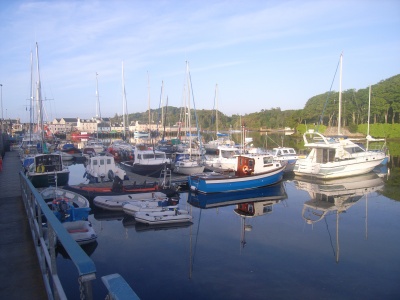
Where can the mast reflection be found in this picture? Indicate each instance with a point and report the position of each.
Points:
(334, 197)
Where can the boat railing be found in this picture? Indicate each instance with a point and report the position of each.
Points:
(318, 138)
(46, 238)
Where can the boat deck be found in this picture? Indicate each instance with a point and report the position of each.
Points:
(20, 275)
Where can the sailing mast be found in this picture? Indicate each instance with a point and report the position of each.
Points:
(340, 96)
(216, 111)
(369, 115)
(125, 116)
(39, 98)
(98, 113)
(31, 111)
(188, 113)
(148, 91)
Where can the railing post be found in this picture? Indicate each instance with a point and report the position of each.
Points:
(85, 287)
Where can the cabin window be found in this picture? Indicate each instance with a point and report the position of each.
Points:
(101, 162)
(227, 154)
(328, 155)
(109, 161)
(251, 164)
(148, 156)
(355, 150)
(291, 151)
(267, 209)
(285, 151)
(160, 155)
(267, 160)
(139, 156)
(95, 163)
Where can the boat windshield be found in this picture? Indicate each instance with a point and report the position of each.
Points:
(229, 154)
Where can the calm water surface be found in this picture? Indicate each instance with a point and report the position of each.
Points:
(306, 240)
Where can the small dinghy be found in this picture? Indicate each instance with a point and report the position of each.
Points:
(72, 210)
(81, 231)
(116, 202)
(53, 193)
(131, 208)
(163, 217)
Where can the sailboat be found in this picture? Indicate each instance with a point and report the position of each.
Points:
(335, 157)
(222, 138)
(47, 168)
(190, 165)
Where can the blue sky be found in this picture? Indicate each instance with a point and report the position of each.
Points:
(262, 54)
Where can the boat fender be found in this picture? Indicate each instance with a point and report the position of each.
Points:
(40, 169)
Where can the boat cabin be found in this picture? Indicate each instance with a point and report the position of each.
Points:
(284, 151)
(250, 164)
(48, 163)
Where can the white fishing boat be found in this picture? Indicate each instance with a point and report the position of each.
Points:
(163, 217)
(188, 167)
(287, 156)
(147, 162)
(116, 202)
(81, 231)
(97, 145)
(103, 168)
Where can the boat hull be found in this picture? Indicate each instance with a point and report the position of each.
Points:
(217, 183)
(90, 192)
(165, 217)
(274, 192)
(81, 231)
(151, 170)
(337, 169)
(41, 180)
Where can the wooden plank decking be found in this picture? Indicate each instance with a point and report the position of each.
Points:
(20, 275)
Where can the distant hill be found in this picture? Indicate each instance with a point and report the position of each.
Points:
(385, 108)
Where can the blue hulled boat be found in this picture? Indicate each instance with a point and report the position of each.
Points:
(252, 171)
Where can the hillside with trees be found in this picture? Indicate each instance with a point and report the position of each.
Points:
(319, 109)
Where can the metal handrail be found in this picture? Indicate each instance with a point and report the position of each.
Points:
(46, 238)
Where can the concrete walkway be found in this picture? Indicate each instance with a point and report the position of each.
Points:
(20, 275)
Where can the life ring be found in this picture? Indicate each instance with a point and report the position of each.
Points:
(245, 169)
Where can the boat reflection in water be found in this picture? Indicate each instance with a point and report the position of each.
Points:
(273, 192)
(333, 197)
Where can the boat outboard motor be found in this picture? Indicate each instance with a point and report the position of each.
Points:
(111, 175)
(117, 184)
(62, 207)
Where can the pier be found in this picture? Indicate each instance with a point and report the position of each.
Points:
(27, 257)
(20, 273)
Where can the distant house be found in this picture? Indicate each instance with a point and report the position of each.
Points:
(63, 125)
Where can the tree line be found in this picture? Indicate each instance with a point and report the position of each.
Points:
(320, 109)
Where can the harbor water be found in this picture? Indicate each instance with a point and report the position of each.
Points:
(298, 240)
